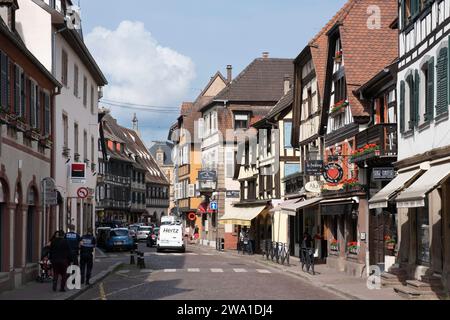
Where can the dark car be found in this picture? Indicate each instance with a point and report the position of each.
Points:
(119, 239)
(153, 237)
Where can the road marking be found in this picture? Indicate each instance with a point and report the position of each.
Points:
(98, 260)
(239, 270)
(170, 270)
(194, 270)
(216, 270)
(263, 271)
(146, 271)
(102, 292)
(207, 254)
(123, 271)
(177, 254)
(113, 255)
(192, 254)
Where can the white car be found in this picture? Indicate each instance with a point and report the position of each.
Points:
(171, 238)
(143, 232)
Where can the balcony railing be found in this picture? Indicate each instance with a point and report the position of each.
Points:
(138, 206)
(117, 179)
(138, 185)
(384, 136)
(114, 204)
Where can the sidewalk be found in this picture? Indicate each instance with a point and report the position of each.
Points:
(338, 282)
(43, 291)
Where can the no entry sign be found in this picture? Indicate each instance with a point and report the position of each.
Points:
(82, 193)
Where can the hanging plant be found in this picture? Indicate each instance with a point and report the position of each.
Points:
(339, 106)
(368, 148)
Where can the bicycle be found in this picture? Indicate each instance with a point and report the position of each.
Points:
(284, 254)
(307, 259)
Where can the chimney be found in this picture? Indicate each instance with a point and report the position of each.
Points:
(287, 83)
(229, 73)
(265, 55)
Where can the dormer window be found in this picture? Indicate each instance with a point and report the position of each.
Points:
(241, 121)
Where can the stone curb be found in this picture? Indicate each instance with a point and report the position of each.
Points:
(95, 279)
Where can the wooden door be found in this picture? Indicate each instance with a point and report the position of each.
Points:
(376, 234)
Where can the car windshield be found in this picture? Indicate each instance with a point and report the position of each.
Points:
(119, 233)
(145, 229)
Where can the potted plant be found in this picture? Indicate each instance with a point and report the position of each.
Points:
(334, 245)
(390, 243)
(353, 248)
(338, 56)
(20, 123)
(4, 115)
(46, 142)
(34, 133)
(351, 184)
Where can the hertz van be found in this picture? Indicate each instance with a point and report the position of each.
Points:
(171, 237)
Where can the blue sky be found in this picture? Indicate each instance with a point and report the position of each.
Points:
(188, 42)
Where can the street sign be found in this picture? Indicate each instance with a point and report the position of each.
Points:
(236, 194)
(78, 172)
(214, 206)
(50, 192)
(82, 193)
(207, 175)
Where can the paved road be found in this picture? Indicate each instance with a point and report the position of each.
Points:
(201, 275)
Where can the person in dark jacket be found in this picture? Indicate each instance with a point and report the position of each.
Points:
(60, 256)
(74, 240)
(87, 247)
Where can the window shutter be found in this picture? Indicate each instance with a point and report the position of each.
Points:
(16, 90)
(402, 106)
(33, 105)
(415, 116)
(429, 108)
(38, 107)
(4, 80)
(47, 114)
(442, 83)
(22, 94)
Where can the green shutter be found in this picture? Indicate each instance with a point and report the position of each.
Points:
(16, 90)
(442, 82)
(429, 108)
(402, 106)
(416, 116)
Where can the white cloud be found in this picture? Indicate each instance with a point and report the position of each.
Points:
(141, 71)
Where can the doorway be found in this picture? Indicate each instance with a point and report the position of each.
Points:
(423, 236)
(30, 233)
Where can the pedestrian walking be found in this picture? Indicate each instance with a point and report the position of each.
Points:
(87, 249)
(73, 239)
(60, 256)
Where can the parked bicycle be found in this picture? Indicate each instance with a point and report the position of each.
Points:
(276, 251)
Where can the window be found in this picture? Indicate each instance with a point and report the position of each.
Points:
(18, 91)
(32, 103)
(75, 141)
(287, 134)
(85, 92)
(47, 115)
(251, 190)
(85, 142)
(92, 150)
(291, 168)
(240, 121)
(340, 90)
(66, 130)
(92, 99)
(75, 80)
(309, 101)
(64, 68)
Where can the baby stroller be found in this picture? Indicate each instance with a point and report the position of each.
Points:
(45, 267)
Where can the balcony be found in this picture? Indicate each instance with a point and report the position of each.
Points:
(377, 142)
(113, 204)
(138, 185)
(157, 202)
(117, 179)
(138, 206)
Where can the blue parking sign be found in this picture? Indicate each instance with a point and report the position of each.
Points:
(214, 206)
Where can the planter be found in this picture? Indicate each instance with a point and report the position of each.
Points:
(32, 134)
(46, 142)
(338, 108)
(390, 246)
(366, 155)
(334, 247)
(4, 117)
(20, 125)
(353, 250)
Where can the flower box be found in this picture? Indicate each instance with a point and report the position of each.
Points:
(366, 152)
(33, 134)
(338, 56)
(338, 108)
(19, 124)
(4, 116)
(353, 248)
(46, 142)
(334, 246)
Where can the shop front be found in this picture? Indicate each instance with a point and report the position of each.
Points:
(423, 223)
(257, 219)
(345, 227)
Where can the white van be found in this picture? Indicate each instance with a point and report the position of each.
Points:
(171, 238)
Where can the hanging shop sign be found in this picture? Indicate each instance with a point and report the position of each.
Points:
(314, 168)
(314, 186)
(207, 175)
(333, 173)
(236, 194)
(383, 174)
(192, 216)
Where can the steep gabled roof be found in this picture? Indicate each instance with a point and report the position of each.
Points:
(260, 81)
(282, 105)
(363, 60)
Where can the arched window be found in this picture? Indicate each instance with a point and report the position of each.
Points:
(31, 230)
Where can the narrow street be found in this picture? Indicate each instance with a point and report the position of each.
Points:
(200, 275)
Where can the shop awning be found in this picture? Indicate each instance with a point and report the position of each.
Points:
(381, 199)
(292, 208)
(414, 196)
(202, 208)
(335, 207)
(241, 216)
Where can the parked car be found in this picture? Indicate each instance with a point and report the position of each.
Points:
(153, 237)
(133, 234)
(119, 239)
(143, 232)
